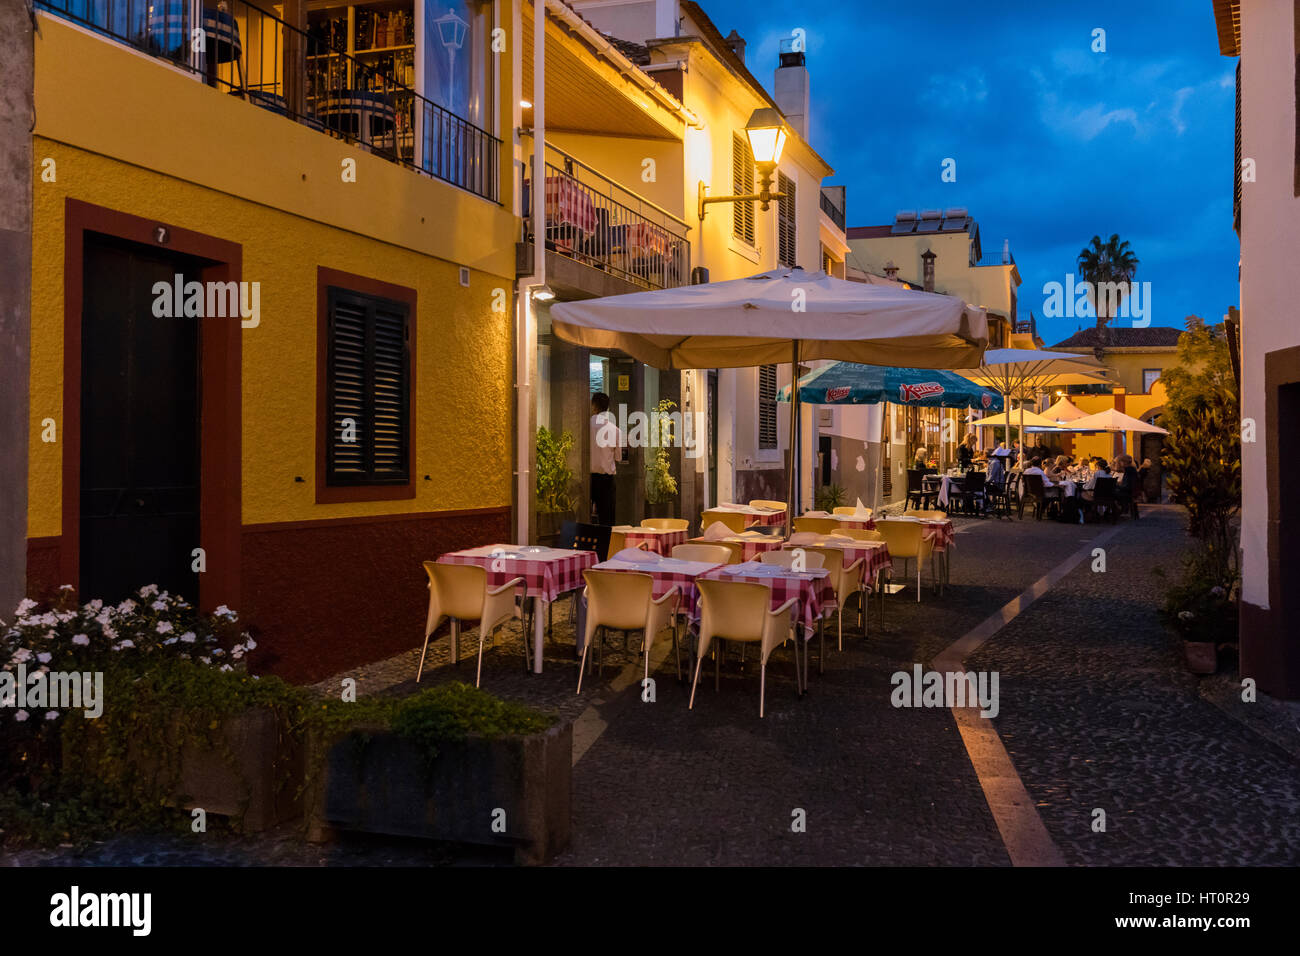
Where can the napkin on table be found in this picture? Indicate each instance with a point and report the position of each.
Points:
(636, 556)
(716, 532)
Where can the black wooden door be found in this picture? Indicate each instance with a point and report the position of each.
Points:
(139, 426)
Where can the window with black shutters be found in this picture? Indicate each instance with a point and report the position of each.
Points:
(368, 394)
(767, 406)
(787, 247)
(742, 184)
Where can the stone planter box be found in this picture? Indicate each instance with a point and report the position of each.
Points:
(253, 775)
(265, 787)
(1202, 656)
(509, 792)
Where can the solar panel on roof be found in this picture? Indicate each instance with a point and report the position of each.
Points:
(901, 228)
(928, 225)
(954, 225)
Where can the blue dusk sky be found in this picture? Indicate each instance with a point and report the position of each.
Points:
(1054, 143)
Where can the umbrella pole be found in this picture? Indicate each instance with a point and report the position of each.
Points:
(792, 492)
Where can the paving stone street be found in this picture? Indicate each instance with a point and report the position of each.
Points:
(1096, 710)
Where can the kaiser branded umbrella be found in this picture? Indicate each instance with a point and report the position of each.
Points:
(847, 383)
(784, 315)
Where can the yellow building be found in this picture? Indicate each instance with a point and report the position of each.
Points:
(633, 170)
(270, 286)
(1136, 358)
(937, 251)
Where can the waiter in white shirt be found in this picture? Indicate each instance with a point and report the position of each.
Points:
(606, 440)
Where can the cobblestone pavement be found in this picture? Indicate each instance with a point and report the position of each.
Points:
(1097, 711)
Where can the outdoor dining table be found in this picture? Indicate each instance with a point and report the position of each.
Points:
(547, 573)
(941, 535)
(659, 540)
(754, 517)
(666, 573)
(751, 545)
(812, 590)
(860, 522)
(568, 204)
(874, 555)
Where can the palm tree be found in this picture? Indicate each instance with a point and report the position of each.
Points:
(1111, 261)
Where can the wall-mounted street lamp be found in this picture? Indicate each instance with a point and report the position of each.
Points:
(766, 134)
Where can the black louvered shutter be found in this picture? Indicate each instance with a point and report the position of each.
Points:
(767, 406)
(786, 236)
(742, 183)
(1236, 159)
(369, 384)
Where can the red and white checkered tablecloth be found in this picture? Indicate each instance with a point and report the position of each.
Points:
(754, 517)
(547, 572)
(853, 521)
(874, 555)
(941, 533)
(750, 547)
(658, 540)
(812, 588)
(568, 204)
(667, 574)
(643, 238)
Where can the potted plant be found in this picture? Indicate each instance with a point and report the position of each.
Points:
(556, 500)
(1202, 609)
(829, 497)
(178, 721)
(451, 762)
(660, 485)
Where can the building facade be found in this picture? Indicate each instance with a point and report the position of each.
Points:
(1266, 211)
(267, 295)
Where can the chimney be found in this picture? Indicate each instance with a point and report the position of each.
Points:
(891, 270)
(790, 89)
(927, 270)
(1006, 252)
(737, 44)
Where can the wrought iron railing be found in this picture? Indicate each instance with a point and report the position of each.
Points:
(239, 47)
(832, 210)
(593, 220)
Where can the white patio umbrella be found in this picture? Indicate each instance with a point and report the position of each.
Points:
(1064, 411)
(778, 316)
(1027, 420)
(1027, 371)
(1111, 420)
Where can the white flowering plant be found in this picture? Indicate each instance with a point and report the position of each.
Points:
(149, 626)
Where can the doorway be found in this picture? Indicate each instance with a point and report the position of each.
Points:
(140, 424)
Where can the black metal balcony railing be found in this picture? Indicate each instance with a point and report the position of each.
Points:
(255, 55)
(593, 220)
(834, 211)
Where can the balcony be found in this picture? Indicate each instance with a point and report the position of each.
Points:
(254, 55)
(593, 221)
(835, 212)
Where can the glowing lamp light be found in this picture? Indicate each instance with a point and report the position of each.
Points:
(766, 135)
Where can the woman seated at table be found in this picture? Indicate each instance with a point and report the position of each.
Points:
(919, 459)
(1055, 469)
(1099, 470)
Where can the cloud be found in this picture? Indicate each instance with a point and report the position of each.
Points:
(957, 90)
(1176, 114)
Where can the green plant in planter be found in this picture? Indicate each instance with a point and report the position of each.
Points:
(555, 479)
(1202, 605)
(660, 485)
(829, 497)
